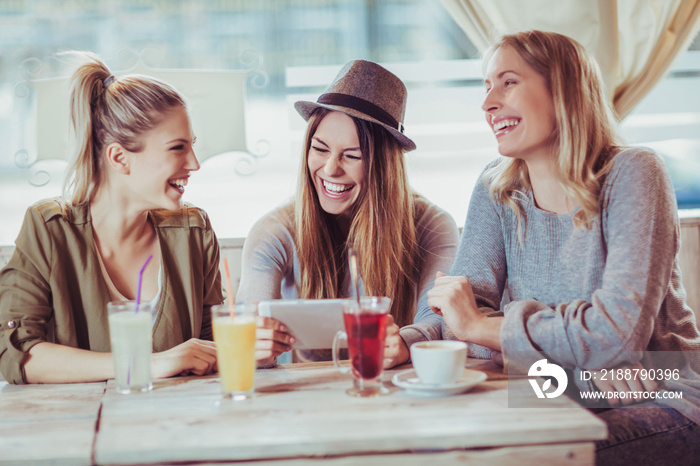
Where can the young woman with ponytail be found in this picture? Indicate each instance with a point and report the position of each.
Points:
(352, 191)
(122, 203)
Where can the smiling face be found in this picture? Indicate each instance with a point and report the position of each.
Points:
(336, 163)
(158, 173)
(519, 107)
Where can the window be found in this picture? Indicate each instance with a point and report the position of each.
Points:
(294, 48)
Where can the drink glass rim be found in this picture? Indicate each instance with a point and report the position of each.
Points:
(368, 305)
(123, 305)
(238, 308)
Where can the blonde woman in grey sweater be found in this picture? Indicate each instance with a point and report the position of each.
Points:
(583, 234)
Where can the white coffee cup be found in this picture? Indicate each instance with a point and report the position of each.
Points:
(439, 362)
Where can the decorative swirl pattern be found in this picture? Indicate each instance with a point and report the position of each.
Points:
(129, 58)
(30, 68)
(258, 78)
(23, 89)
(247, 164)
(262, 148)
(152, 57)
(251, 58)
(22, 159)
(39, 178)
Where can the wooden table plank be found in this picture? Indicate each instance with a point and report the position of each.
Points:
(302, 410)
(48, 423)
(559, 454)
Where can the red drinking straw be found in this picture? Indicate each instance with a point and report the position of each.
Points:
(229, 288)
(138, 287)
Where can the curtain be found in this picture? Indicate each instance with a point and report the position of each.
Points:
(634, 41)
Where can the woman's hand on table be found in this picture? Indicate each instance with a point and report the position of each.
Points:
(194, 356)
(395, 349)
(605, 383)
(272, 339)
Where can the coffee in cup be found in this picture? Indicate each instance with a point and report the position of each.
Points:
(439, 362)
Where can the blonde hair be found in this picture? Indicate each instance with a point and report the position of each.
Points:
(105, 110)
(382, 228)
(585, 137)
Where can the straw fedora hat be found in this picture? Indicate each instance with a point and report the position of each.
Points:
(365, 90)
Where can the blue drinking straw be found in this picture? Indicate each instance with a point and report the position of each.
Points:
(138, 286)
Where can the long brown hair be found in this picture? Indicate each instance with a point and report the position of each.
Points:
(586, 138)
(104, 110)
(382, 229)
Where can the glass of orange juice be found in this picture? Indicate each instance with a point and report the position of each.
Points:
(234, 334)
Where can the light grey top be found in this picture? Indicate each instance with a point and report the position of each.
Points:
(587, 298)
(270, 266)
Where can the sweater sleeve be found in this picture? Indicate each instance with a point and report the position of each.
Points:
(641, 234)
(481, 258)
(25, 296)
(267, 253)
(438, 245)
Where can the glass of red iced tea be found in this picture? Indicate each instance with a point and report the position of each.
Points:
(365, 330)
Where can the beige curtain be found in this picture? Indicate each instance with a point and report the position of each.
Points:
(634, 41)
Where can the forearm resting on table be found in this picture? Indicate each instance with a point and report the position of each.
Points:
(53, 363)
(487, 332)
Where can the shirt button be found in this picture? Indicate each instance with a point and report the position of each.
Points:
(12, 324)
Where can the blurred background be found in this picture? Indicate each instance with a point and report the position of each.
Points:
(292, 49)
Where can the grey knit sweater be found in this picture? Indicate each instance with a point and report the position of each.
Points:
(587, 298)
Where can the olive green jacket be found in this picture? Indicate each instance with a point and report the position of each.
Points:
(53, 288)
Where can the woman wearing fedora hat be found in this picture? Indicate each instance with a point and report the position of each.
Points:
(352, 191)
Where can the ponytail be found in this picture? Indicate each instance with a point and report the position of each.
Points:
(106, 110)
(87, 92)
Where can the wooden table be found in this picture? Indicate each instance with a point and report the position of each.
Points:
(39, 423)
(300, 415)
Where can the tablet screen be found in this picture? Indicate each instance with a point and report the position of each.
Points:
(313, 322)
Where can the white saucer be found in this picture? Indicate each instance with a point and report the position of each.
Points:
(409, 381)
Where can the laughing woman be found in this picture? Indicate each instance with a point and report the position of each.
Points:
(123, 203)
(584, 235)
(352, 191)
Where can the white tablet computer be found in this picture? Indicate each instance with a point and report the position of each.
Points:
(313, 322)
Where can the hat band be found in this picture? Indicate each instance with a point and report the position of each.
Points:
(361, 105)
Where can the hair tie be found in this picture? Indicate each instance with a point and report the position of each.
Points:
(108, 80)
